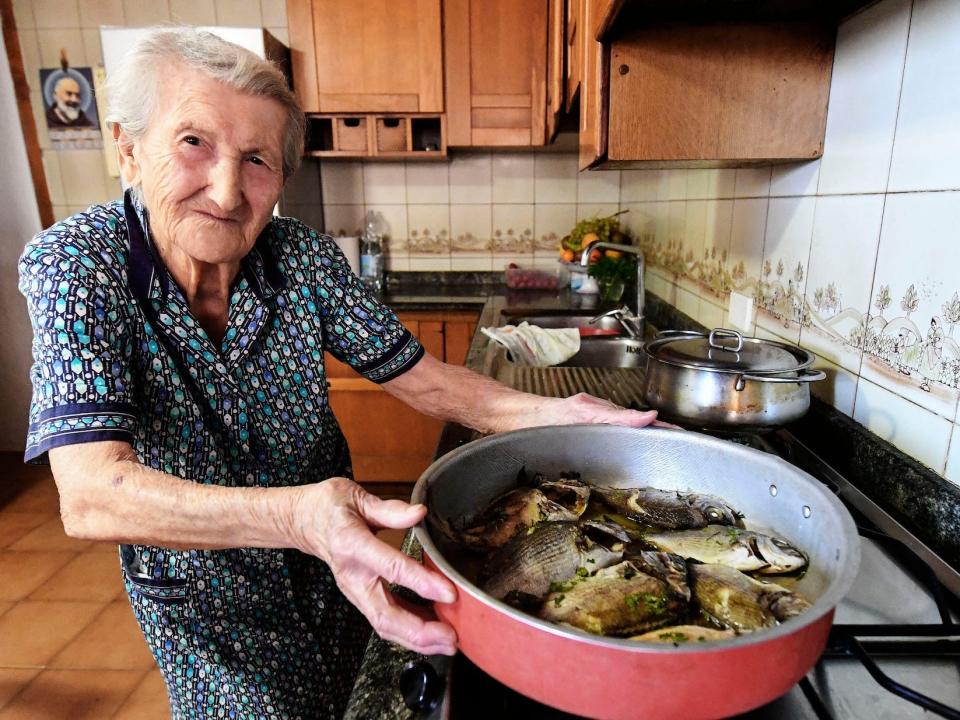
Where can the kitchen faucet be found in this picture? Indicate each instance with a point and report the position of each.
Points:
(632, 322)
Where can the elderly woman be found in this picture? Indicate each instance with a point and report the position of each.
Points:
(179, 394)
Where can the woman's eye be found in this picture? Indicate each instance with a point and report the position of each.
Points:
(192, 140)
(256, 160)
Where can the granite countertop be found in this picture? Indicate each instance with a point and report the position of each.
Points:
(918, 498)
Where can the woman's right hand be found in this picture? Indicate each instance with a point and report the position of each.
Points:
(335, 520)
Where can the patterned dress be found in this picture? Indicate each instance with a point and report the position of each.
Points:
(241, 633)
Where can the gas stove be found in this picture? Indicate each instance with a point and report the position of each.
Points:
(893, 653)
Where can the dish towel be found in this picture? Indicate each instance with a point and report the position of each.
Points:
(536, 346)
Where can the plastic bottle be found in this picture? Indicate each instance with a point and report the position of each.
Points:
(371, 257)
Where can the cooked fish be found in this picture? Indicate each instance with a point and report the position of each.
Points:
(510, 514)
(738, 602)
(618, 600)
(741, 549)
(550, 552)
(668, 508)
(679, 634)
(664, 566)
(569, 491)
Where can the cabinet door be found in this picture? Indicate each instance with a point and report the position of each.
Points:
(574, 52)
(496, 64)
(594, 88)
(368, 55)
(556, 80)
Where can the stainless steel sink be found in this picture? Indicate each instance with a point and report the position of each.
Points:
(566, 321)
(608, 352)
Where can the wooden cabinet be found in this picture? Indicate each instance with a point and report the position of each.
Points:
(496, 61)
(389, 441)
(367, 56)
(666, 91)
(556, 77)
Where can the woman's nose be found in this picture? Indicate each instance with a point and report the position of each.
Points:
(224, 188)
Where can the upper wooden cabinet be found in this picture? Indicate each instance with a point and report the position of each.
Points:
(376, 56)
(496, 67)
(674, 91)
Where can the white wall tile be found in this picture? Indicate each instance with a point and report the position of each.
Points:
(846, 233)
(919, 248)
(471, 178)
(588, 210)
(281, 34)
(430, 263)
(707, 183)
(384, 183)
(864, 92)
(748, 226)
(838, 389)
(718, 222)
(238, 14)
(432, 221)
(428, 183)
(695, 223)
(513, 229)
(598, 186)
(94, 13)
(786, 246)
(83, 181)
(91, 46)
(23, 15)
(273, 13)
(555, 178)
(550, 224)
(342, 182)
(51, 168)
(752, 182)
(471, 263)
(513, 178)
(688, 303)
(146, 12)
(639, 185)
(795, 179)
(639, 222)
(343, 219)
(926, 151)
(710, 315)
(672, 185)
(916, 431)
(30, 50)
(193, 12)
(68, 39)
(471, 227)
(56, 13)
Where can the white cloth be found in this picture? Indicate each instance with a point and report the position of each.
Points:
(536, 346)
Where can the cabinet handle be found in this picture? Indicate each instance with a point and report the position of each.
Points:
(623, 69)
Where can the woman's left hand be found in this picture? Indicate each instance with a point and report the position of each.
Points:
(584, 408)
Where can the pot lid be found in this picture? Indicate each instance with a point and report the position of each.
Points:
(727, 350)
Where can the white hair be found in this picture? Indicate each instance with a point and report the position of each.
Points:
(134, 88)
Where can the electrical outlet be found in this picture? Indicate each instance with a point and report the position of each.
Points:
(740, 311)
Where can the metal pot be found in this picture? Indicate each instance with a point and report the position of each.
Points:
(620, 679)
(723, 380)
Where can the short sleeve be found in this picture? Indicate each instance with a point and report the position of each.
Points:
(81, 374)
(358, 329)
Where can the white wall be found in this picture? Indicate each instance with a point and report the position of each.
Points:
(19, 221)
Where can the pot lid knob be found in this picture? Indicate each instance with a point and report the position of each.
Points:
(422, 688)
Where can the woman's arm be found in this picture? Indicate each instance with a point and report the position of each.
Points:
(461, 395)
(106, 494)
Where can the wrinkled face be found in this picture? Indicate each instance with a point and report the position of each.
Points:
(209, 166)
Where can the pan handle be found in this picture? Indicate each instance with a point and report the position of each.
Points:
(805, 376)
(718, 333)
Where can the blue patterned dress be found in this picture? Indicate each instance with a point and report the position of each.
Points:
(243, 633)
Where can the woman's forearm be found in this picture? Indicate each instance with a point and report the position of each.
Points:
(106, 494)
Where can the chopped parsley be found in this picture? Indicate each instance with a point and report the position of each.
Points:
(733, 533)
(675, 637)
(652, 603)
(629, 573)
(558, 600)
(582, 572)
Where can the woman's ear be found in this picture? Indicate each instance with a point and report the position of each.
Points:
(129, 168)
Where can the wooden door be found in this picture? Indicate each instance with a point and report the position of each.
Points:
(367, 55)
(574, 42)
(496, 66)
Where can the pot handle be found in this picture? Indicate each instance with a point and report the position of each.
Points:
(805, 376)
(679, 333)
(717, 333)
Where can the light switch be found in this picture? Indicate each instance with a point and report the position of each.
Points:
(741, 311)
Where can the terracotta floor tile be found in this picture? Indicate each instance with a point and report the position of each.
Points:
(49, 536)
(148, 701)
(89, 576)
(24, 572)
(13, 680)
(37, 495)
(4, 606)
(14, 525)
(32, 632)
(73, 694)
(113, 641)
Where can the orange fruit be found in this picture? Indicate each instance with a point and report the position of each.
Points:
(590, 237)
(614, 254)
(567, 255)
(595, 256)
